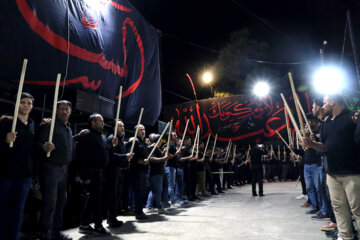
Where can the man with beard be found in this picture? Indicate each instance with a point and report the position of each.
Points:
(138, 174)
(53, 171)
(343, 165)
(115, 173)
(92, 151)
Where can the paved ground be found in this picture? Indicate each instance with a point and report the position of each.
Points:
(233, 215)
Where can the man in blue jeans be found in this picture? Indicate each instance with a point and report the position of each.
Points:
(170, 168)
(312, 171)
(15, 168)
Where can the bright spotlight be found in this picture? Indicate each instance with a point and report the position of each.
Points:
(261, 89)
(207, 77)
(329, 80)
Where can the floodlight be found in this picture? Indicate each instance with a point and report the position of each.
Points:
(261, 89)
(329, 80)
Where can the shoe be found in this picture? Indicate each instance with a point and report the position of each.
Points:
(214, 193)
(115, 223)
(166, 205)
(141, 217)
(86, 229)
(102, 231)
(230, 187)
(262, 195)
(301, 197)
(328, 227)
(175, 205)
(255, 195)
(221, 192)
(162, 211)
(312, 211)
(62, 236)
(196, 198)
(305, 205)
(320, 216)
(150, 210)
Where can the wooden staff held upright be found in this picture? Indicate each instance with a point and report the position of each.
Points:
(17, 104)
(53, 118)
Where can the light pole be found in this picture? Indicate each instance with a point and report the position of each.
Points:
(208, 78)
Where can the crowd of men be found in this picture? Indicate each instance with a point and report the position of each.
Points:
(104, 170)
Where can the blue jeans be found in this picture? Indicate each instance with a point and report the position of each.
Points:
(312, 179)
(13, 195)
(179, 187)
(154, 197)
(171, 177)
(164, 193)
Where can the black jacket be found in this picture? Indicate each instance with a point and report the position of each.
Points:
(17, 162)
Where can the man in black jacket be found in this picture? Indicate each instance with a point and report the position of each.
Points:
(53, 171)
(92, 151)
(343, 163)
(256, 154)
(138, 174)
(115, 173)
(15, 168)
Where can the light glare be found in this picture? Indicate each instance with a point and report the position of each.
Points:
(261, 89)
(207, 77)
(329, 80)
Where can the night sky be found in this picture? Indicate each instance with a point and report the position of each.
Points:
(294, 30)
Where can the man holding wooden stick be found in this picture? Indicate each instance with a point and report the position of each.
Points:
(138, 173)
(343, 168)
(53, 171)
(115, 173)
(15, 168)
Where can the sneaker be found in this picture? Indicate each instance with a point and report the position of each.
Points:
(150, 210)
(166, 205)
(175, 205)
(102, 231)
(320, 216)
(115, 223)
(301, 197)
(305, 205)
(62, 236)
(86, 229)
(312, 211)
(162, 211)
(141, 217)
(328, 227)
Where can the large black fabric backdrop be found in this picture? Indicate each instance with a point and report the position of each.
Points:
(108, 44)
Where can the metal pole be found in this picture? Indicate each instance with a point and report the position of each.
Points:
(353, 45)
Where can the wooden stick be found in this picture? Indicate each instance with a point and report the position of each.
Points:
(234, 151)
(136, 131)
(227, 149)
(222, 172)
(195, 140)
(117, 113)
(295, 100)
(290, 114)
(287, 145)
(18, 97)
(53, 118)
(157, 143)
(287, 126)
(297, 141)
(183, 138)
(207, 144)
(228, 152)
(212, 153)
(198, 142)
(304, 115)
(168, 141)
